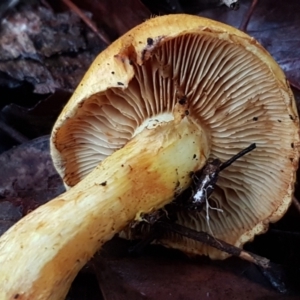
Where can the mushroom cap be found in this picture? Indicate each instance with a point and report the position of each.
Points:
(235, 91)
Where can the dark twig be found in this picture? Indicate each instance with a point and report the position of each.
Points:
(237, 156)
(142, 244)
(153, 234)
(273, 272)
(193, 199)
(207, 239)
(276, 275)
(205, 180)
(203, 185)
(47, 5)
(248, 16)
(87, 21)
(12, 133)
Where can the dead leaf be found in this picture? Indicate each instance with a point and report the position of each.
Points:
(47, 50)
(27, 180)
(47, 56)
(162, 274)
(39, 119)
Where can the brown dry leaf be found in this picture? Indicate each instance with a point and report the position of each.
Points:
(161, 274)
(47, 50)
(27, 174)
(37, 120)
(27, 180)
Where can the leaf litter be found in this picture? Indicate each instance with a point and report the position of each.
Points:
(49, 50)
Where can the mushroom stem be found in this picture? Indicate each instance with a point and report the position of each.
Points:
(41, 254)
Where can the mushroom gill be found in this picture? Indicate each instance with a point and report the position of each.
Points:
(234, 96)
(150, 110)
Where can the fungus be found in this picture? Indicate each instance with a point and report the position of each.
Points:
(127, 140)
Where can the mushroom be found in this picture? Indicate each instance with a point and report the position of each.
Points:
(152, 108)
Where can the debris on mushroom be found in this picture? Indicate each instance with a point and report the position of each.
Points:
(232, 4)
(152, 108)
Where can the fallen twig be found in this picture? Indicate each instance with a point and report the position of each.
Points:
(12, 133)
(87, 21)
(216, 243)
(271, 271)
(205, 179)
(203, 183)
(248, 16)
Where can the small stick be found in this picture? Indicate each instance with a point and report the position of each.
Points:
(153, 233)
(237, 156)
(47, 5)
(142, 244)
(271, 271)
(12, 133)
(87, 21)
(207, 239)
(248, 16)
(202, 187)
(205, 179)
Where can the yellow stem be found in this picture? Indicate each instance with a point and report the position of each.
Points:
(41, 254)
